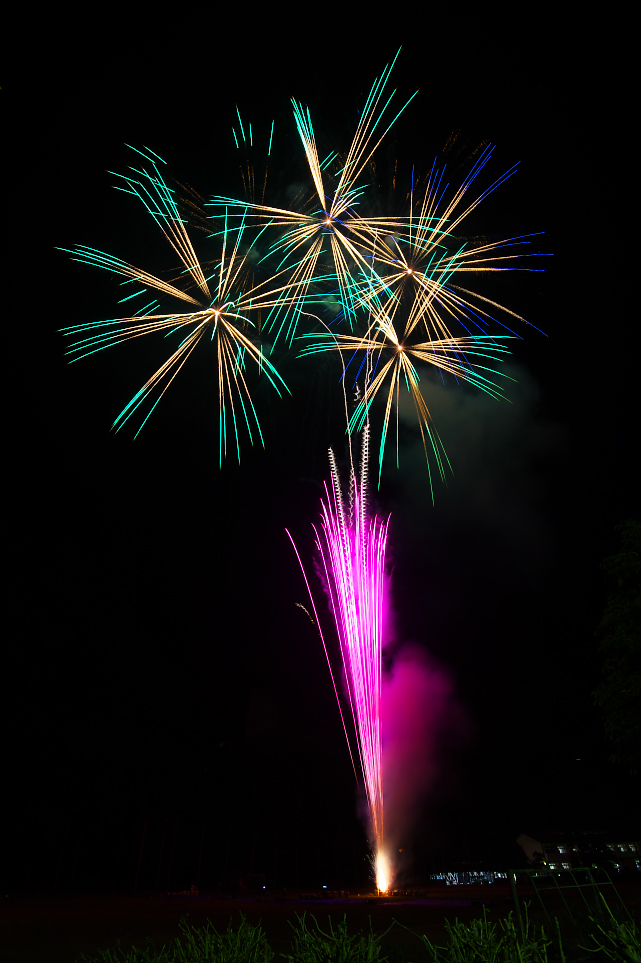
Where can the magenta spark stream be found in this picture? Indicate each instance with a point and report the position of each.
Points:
(352, 545)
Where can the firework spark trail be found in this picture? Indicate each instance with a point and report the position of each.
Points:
(352, 543)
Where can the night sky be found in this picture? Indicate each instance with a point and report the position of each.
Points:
(160, 677)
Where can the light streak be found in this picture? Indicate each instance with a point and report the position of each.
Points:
(301, 606)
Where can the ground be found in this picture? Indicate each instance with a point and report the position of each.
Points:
(56, 930)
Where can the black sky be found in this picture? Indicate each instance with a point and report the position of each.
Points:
(156, 664)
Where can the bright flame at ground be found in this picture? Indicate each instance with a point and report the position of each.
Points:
(383, 880)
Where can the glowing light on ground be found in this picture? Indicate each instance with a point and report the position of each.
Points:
(381, 868)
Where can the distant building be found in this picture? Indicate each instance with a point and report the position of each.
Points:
(561, 851)
(471, 878)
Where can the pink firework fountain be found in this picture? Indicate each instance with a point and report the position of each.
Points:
(352, 544)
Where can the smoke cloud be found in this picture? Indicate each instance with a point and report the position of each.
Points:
(500, 451)
(421, 717)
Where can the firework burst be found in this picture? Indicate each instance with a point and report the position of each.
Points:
(387, 354)
(412, 305)
(328, 219)
(426, 256)
(219, 305)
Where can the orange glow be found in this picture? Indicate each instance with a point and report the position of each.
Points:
(382, 873)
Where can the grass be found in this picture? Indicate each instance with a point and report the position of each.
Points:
(484, 942)
(204, 944)
(614, 940)
(479, 941)
(314, 945)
